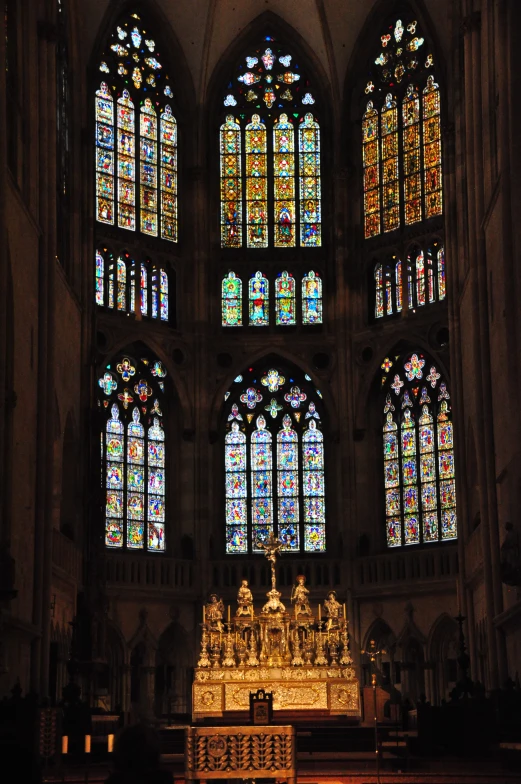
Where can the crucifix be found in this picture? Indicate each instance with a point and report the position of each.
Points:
(271, 547)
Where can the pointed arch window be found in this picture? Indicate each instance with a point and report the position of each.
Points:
(142, 293)
(268, 106)
(259, 300)
(401, 149)
(418, 453)
(136, 135)
(274, 461)
(133, 454)
(425, 281)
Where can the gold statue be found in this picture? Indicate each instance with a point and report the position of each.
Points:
(244, 600)
(271, 547)
(214, 613)
(332, 608)
(299, 597)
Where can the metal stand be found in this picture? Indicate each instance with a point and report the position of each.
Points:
(373, 652)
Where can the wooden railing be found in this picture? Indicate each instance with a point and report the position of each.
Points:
(66, 556)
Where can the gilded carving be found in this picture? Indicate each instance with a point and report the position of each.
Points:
(305, 697)
(345, 697)
(207, 698)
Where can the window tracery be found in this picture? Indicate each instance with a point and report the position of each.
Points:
(274, 461)
(418, 453)
(133, 453)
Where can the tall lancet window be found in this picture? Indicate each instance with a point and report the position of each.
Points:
(270, 147)
(132, 404)
(402, 159)
(135, 135)
(418, 453)
(274, 461)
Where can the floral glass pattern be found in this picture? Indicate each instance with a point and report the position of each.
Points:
(133, 454)
(418, 454)
(274, 462)
(135, 136)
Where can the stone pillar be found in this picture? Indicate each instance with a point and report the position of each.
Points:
(147, 693)
(125, 688)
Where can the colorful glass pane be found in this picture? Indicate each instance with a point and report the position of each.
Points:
(312, 298)
(313, 483)
(432, 149)
(310, 183)
(398, 285)
(256, 184)
(148, 168)
(154, 294)
(231, 184)
(411, 529)
(100, 279)
(126, 167)
(105, 155)
(121, 284)
(412, 193)
(168, 169)
(371, 162)
(285, 299)
(441, 273)
(391, 194)
(379, 291)
(420, 278)
(231, 301)
(136, 497)
(284, 183)
(163, 294)
(258, 300)
(143, 287)
(288, 484)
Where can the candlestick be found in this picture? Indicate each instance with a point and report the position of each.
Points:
(345, 616)
(87, 744)
(110, 743)
(228, 613)
(204, 614)
(319, 612)
(65, 744)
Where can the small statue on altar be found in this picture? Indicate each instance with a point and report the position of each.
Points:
(333, 609)
(273, 605)
(299, 597)
(214, 613)
(244, 600)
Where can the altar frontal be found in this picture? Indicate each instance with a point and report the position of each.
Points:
(300, 656)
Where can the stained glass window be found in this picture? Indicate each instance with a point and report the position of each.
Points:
(310, 187)
(231, 301)
(131, 395)
(284, 218)
(418, 453)
(425, 278)
(274, 461)
(432, 148)
(285, 299)
(371, 161)
(256, 184)
(117, 286)
(391, 195)
(312, 298)
(136, 151)
(401, 158)
(259, 300)
(265, 101)
(231, 184)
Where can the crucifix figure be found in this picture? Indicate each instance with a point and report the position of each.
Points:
(271, 547)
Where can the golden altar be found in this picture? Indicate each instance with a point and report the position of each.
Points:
(302, 659)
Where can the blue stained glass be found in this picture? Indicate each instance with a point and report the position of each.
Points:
(313, 483)
(261, 511)
(288, 483)
(236, 485)
(261, 483)
(409, 472)
(314, 538)
(236, 512)
(236, 539)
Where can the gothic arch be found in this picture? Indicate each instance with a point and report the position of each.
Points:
(371, 383)
(264, 356)
(155, 346)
